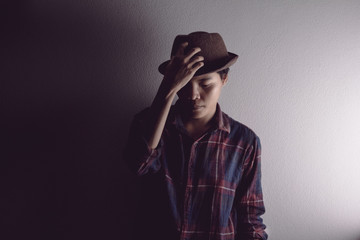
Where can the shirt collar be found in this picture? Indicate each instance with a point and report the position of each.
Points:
(221, 120)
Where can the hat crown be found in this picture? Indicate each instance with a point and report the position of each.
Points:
(213, 49)
(211, 44)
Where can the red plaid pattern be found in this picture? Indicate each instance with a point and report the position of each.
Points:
(212, 185)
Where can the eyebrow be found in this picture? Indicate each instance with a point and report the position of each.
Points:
(205, 79)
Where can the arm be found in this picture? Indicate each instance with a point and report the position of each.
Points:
(180, 71)
(143, 148)
(250, 204)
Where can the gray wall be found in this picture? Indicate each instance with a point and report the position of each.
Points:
(74, 73)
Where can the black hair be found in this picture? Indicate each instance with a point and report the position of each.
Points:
(223, 73)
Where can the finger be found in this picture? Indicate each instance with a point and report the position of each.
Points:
(192, 53)
(195, 60)
(181, 49)
(197, 66)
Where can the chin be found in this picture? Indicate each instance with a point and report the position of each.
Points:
(198, 115)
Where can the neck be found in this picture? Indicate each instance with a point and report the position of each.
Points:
(197, 127)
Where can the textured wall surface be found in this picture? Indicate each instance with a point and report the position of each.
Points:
(75, 72)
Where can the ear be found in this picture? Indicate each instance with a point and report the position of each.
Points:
(225, 79)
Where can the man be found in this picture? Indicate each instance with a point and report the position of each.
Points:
(201, 168)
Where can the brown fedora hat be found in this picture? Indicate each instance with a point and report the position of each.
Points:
(213, 49)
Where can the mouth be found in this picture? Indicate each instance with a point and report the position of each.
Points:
(192, 106)
(196, 107)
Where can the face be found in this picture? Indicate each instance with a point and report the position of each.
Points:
(200, 96)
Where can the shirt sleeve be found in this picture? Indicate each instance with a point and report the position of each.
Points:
(140, 158)
(249, 197)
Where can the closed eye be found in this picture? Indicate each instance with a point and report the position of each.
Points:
(205, 82)
(205, 85)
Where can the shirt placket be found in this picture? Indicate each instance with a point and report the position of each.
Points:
(188, 189)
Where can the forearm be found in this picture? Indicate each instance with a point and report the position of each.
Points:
(159, 112)
(180, 71)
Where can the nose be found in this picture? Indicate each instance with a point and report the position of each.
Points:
(189, 92)
(194, 92)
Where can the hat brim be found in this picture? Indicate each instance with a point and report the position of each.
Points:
(208, 67)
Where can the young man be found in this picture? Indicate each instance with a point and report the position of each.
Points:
(201, 168)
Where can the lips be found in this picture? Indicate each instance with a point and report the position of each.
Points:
(191, 106)
(196, 107)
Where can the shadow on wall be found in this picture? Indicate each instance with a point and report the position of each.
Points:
(66, 118)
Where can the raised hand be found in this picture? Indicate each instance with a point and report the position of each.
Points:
(178, 73)
(182, 68)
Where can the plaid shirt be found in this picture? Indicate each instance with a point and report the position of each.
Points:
(209, 188)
